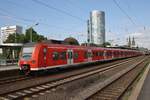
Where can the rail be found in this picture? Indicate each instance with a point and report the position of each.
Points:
(32, 90)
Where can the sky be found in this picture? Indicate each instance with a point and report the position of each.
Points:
(59, 19)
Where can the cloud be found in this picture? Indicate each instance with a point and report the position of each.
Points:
(136, 34)
(115, 38)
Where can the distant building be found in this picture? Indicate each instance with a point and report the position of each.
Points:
(96, 27)
(7, 30)
(131, 43)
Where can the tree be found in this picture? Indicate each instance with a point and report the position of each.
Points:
(35, 36)
(15, 38)
(106, 44)
(20, 38)
(25, 38)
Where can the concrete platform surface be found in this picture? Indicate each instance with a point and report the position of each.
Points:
(145, 91)
(7, 68)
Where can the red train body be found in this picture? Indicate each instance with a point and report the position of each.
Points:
(42, 56)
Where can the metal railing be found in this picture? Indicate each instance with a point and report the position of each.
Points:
(5, 62)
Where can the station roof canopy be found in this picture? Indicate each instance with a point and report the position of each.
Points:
(11, 45)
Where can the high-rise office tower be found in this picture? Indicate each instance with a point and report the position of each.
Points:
(96, 27)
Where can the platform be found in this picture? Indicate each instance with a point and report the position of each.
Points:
(8, 71)
(142, 89)
(7, 68)
(145, 91)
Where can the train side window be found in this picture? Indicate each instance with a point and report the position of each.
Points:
(100, 53)
(63, 55)
(97, 54)
(115, 53)
(107, 53)
(44, 51)
(55, 55)
(76, 55)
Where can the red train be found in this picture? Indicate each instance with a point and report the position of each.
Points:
(42, 56)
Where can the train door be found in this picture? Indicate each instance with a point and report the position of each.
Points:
(112, 54)
(44, 55)
(89, 55)
(105, 54)
(70, 56)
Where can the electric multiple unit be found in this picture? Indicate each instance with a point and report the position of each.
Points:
(42, 56)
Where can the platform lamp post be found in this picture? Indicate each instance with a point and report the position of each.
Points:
(31, 30)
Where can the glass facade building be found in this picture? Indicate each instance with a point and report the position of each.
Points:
(96, 27)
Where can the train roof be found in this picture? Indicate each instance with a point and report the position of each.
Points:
(74, 46)
(80, 47)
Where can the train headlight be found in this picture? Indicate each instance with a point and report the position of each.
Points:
(33, 61)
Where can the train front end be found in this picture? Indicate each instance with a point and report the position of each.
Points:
(27, 59)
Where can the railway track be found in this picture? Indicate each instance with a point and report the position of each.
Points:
(33, 91)
(13, 79)
(18, 78)
(118, 87)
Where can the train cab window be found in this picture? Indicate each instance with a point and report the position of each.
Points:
(55, 55)
(27, 52)
(63, 55)
(76, 55)
(28, 49)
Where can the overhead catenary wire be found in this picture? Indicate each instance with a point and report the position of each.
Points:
(7, 14)
(8, 17)
(30, 20)
(58, 10)
(123, 11)
(70, 2)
